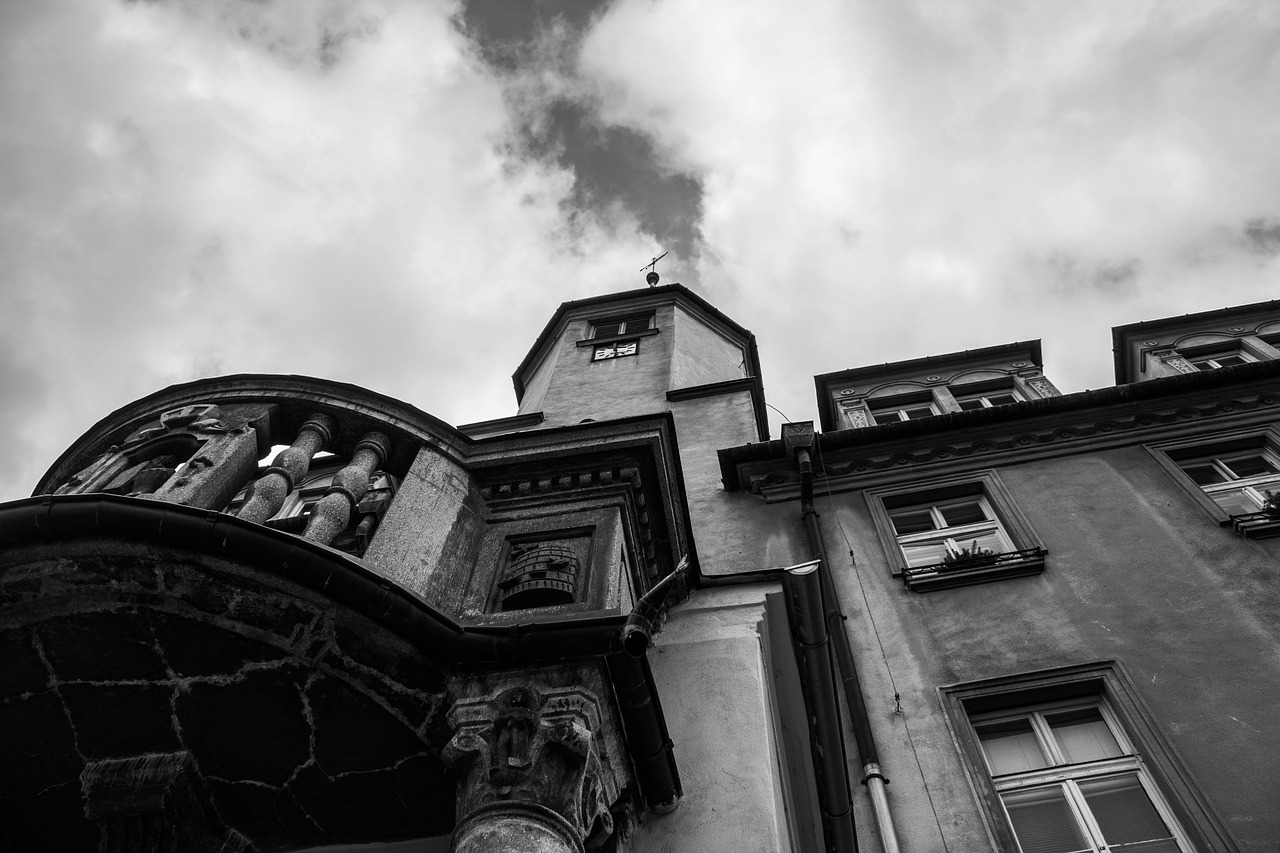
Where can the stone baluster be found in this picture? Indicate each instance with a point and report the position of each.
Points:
(333, 513)
(287, 469)
(530, 775)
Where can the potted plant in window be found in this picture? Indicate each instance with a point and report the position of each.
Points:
(1271, 506)
(971, 557)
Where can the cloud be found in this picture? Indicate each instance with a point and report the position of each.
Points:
(398, 195)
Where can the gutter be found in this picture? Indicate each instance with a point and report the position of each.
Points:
(344, 579)
(799, 438)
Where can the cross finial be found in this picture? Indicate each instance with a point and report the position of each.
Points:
(652, 277)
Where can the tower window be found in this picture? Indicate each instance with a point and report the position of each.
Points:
(612, 328)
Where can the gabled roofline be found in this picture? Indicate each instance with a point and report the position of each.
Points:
(826, 414)
(677, 289)
(1119, 334)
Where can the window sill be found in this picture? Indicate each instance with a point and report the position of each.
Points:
(1010, 564)
(1256, 525)
(613, 339)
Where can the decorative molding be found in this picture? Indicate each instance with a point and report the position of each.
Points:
(1042, 386)
(781, 481)
(533, 755)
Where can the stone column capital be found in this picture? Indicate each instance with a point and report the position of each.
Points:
(529, 767)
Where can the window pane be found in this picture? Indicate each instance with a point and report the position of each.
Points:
(1234, 501)
(1123, 810)
(925, 553)
(1083, 736)
(1249, 466)
(1043, 821)
(1204, 473)
(968, 512)
(887, 417)
(1002, 399)
(1229, 360)
(975, 544)
(912, 521)
(1011, 747)
(606, 330)
(917, 412)
(970, 405)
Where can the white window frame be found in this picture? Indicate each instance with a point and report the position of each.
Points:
(1106, 685)
(1253, 488)
(900, 410)
(953, 539)
(1209, 360)
(1003, 516)
(984, 397)
(1216, 449)
(1065, 776)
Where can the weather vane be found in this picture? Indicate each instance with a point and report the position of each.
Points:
(652, 277)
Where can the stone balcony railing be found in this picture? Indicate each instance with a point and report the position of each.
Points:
(328, 480)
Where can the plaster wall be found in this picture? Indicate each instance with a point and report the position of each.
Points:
(734, 531)
(535, 389)
(703, 355)
(1137, 573)
(710, 670)
(613, 388)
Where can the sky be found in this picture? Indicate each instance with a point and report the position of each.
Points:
(399, 194)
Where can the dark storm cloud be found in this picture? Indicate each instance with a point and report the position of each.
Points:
(557, 120)
(1262, 236)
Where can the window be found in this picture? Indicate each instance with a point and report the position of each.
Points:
(1216, 359)
(1069, 781)
(985, 398)
(955, 531)
(1233, 476)
(614, 350)
(621, 326)
(902, 408)
(1069, 761)
(948, 530)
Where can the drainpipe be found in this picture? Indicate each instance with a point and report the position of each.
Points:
(799, 438)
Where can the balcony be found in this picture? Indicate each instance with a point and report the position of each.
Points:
(974, 570)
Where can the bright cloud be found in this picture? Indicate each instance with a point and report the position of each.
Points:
(399, 194)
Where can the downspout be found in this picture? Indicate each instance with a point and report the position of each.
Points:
(799, 439)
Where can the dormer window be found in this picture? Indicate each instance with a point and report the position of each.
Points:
(1218, 359)
(908, 407)
(986, 398)
(613, 328)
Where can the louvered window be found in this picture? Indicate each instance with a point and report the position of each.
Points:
(612, 328)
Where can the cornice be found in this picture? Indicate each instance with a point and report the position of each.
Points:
(889, 458)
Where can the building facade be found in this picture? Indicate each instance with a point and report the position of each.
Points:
(962, 612)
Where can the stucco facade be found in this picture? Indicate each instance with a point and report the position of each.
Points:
(967, 613)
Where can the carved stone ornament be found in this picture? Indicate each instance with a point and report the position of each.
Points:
(1043, 387)
(155, 803)
(539, 574)
(197, 455)
(529, 771)
(856, 413)
(1177, 362)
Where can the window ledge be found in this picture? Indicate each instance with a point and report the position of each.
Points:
(613, 339)
(1256, 525)
(1010, 564)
